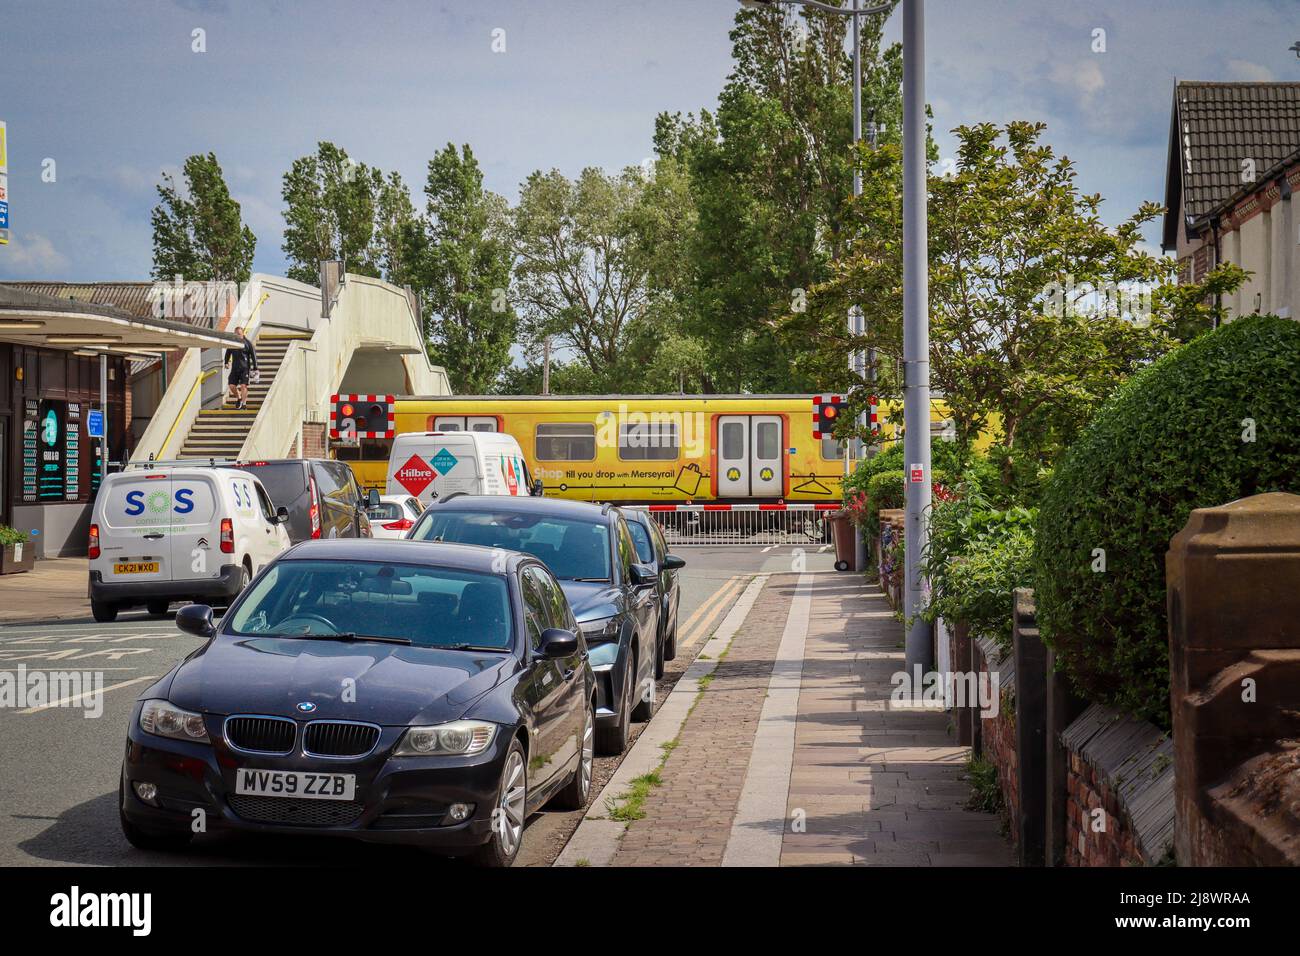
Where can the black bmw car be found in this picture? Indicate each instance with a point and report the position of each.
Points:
(591, 552)
(432, 694)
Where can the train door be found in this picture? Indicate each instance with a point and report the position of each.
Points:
(461, 423)
(750, 456)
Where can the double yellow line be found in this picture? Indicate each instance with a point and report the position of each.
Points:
(700, 623)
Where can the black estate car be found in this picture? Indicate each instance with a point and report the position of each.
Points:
(388, 691)
(590, 550)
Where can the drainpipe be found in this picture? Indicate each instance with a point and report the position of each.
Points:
(1218, 258)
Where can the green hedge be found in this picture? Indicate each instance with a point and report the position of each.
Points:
(976, 557)
(1170, 440)
(10, 536)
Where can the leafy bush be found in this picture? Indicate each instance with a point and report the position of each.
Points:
(1172, 438)
(945, 458)
(10, 536)
(975, 558)
(885, 489)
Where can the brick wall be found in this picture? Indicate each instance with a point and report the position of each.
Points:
(1122, 767)
(1085, 844)
(313, 440)
(997, 735)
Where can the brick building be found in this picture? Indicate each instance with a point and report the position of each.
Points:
(1234, 160)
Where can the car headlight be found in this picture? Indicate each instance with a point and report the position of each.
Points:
(165, 719)
(460, 738)
(602, 629)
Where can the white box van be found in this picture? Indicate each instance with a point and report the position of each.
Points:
(179, 533)
(430, 465)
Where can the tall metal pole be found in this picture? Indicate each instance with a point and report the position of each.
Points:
(103, 404)
(857, 324)
(916, 331)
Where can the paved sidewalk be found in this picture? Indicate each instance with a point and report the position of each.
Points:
(791, 755)
(879, 787)
(55, 589)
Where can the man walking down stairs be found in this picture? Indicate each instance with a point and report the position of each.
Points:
(220, 432)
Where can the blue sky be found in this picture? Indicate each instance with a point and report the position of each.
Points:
(113, 93)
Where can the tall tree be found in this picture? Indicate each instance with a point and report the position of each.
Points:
(582, 269)
(198, 233)
(1038, 310)
(771, 175)
(337, 207)
(458, 257)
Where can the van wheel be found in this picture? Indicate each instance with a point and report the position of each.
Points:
(103, 611)
(158, 608)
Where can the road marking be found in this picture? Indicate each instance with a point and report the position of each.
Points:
(77, 698)
(768, 548)
(705, 605)
(724, 595)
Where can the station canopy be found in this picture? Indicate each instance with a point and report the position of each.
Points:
(46, 321)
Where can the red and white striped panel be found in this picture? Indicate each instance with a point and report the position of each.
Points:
(816, 415)
(391, 431)
(797, 506)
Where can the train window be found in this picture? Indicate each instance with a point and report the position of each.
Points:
(565, 441)
(768, 441)
(832, 450)
(648, 441)
(733, 441)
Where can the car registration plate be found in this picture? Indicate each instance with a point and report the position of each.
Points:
(295, 783)
(135, 567)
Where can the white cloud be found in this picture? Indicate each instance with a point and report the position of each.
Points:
(1084, 77)
(31, 256)
(1250, 72)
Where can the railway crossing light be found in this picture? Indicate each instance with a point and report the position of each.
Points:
(827, 410)
(362, 416)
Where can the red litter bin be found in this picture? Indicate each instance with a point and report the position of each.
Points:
(842, 535)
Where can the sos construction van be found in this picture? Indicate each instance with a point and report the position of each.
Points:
(184, 533)
(430, 465)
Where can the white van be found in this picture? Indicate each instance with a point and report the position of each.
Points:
(179, 533)
(431, 465)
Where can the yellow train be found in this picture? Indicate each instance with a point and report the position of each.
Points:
(643, 449)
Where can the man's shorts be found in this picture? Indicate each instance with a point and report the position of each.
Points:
(238, 376)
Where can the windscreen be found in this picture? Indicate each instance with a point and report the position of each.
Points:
(429, 606)
(572, 548)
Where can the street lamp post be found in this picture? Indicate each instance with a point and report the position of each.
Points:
(916, 316)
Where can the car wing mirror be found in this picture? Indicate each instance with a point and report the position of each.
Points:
(558, 642)
(372, 498)
(196, 619)
(281, 514)
(537, 489)
(643, 574)
(673, 563)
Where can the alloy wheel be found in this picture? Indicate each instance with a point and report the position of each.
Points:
(588, 752)
(514, 791)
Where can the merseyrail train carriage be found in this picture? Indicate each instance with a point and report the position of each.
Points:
(659, 450)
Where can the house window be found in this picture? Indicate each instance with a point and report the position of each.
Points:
(565, 441)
